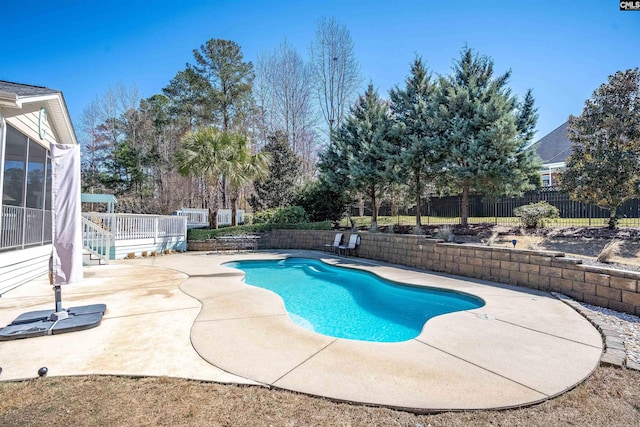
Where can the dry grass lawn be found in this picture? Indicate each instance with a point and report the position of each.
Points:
(610, 397)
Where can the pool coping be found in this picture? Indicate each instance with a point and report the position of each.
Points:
(521, 348)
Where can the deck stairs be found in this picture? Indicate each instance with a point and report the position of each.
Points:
(96, 243)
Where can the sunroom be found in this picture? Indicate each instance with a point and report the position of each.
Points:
(31, 119)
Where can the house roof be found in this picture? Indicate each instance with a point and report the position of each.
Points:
(22, 98)
(23, 90)
(554, 147)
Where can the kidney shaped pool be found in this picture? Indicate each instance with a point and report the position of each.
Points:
(353, 304)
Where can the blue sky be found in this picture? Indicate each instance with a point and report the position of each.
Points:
(563, 50)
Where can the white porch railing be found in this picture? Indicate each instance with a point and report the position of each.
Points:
(199, 218)
(135, 226)
(224, 216)
(23, 227)
(196, 218)
(96, 240)
(141, 231)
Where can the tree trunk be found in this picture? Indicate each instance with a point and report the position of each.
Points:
(418, 203)
(213, 218)
(464, 206)
(234, 211)
(214, 201)
(223, 191)
(374, 212)
(613, 218)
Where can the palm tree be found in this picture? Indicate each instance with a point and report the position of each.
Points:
(212, 155)
(205, 154)
(241, 168)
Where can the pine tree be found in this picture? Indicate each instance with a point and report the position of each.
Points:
(604, 165)
(362, 150)
(482, 132)
(221, 64)
(414, 132)
(277, 189)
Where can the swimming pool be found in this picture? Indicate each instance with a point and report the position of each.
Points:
(352, 304)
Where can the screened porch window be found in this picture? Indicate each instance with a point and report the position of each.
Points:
(26, 193)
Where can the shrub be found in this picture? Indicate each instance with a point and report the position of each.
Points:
(491, 241)
(321, 202)
(202, 234)
(263, 217)
(611, 250)
(445, 233)
(417, 230)
(529, 242)
(537, 214)
(286, 215)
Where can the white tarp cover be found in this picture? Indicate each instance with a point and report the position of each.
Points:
(66, 214)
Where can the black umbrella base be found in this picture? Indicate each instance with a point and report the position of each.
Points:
(47, 322)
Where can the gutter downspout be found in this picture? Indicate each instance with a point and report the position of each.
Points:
(3, 149)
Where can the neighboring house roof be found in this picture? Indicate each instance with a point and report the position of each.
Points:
(21, 98)
(554, 147)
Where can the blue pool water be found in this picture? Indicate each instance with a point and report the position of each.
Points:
(353, 304)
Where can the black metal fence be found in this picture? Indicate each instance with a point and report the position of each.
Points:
(446, 210)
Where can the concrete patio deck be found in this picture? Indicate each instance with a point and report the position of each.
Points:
(186, 315)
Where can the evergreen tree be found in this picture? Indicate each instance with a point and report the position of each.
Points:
(189, 101)
(526, 172)
(221, 64)
(127, 167)
(277, 189)
(228, 80)
(604, 165)
(414, 132)
(361, 150)
(484, 132)
(333, 178)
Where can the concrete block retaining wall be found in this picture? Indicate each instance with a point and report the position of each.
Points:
(542, 270)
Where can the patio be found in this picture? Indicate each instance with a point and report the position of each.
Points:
(522, 347)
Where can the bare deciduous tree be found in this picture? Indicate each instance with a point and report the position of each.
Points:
(94, 147)
(335, 70)
(263, 97)
(99, 130)
(284, 95)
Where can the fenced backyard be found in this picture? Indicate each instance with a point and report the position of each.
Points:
(446, 210)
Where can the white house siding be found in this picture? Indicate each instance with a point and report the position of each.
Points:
(22, 265)
(27, 124)
(18, 267)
